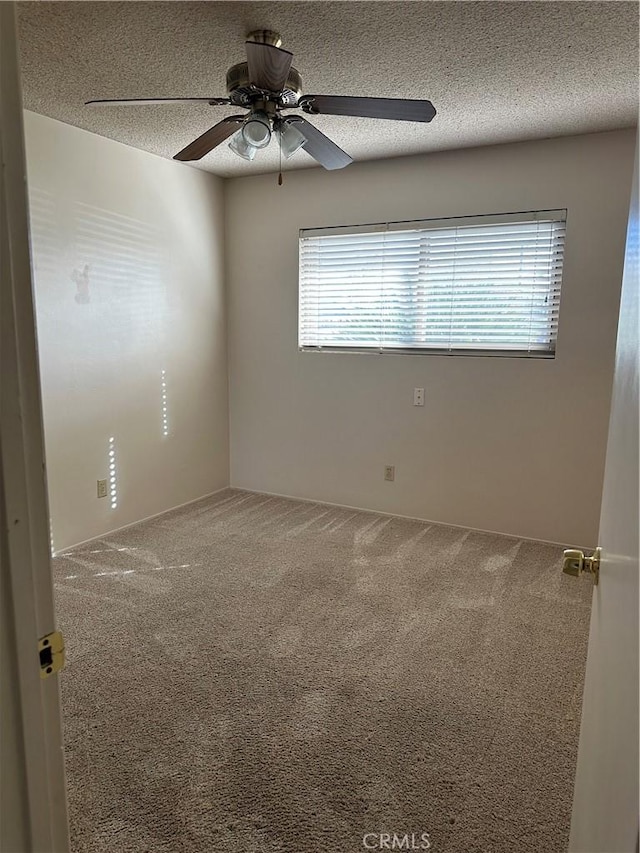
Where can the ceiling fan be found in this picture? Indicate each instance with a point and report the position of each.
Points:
(266, 85)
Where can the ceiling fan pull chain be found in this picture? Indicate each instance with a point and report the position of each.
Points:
(280, 168)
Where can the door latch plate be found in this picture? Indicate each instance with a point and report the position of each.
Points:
(51, 651)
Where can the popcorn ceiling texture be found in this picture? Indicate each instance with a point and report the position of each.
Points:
(253, 674)
(495, 71)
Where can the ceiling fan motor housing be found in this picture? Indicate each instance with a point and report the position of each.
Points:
(242, 93)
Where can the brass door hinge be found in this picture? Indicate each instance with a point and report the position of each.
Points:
(51, 651)
(575, 563)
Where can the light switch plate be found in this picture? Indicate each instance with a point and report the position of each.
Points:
(418, 396)
(102, 488)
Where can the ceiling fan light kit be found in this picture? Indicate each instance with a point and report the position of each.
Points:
(290, 139)
(256, 129)
(266, 85)
(240, 147)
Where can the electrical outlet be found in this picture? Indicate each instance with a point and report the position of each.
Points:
(102, 488)
(418, 396)
(390, 472)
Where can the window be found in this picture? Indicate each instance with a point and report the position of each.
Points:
(479, 285)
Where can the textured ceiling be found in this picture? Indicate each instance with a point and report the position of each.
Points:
(495, 71)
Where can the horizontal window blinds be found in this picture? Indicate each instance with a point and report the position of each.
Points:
(479, 284)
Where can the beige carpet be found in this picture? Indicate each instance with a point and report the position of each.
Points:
(253, 674)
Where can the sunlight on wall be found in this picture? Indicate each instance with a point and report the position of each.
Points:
(128, 277)
(103, 314)
(113, 485)
(109, 264)
(165, 419)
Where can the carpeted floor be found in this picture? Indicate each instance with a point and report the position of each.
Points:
(259, 675)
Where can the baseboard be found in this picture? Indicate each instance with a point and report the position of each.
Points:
(63, 551)
(320, 503)
(407, 517)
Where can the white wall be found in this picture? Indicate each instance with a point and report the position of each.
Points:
(152, 234)
(511, 445)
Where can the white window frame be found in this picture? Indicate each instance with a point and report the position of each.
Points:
(430, 225)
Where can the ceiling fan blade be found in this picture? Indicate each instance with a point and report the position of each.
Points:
(136, 102)
(397, 109)
(321, 148)
(268, 65)
(210, 138)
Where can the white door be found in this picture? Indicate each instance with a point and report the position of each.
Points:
(605, 807)
(33, 817)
